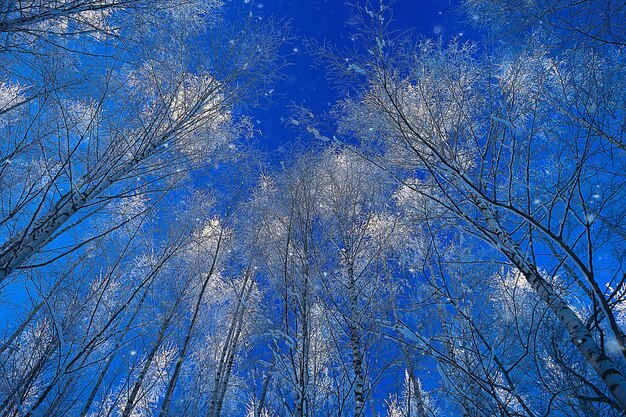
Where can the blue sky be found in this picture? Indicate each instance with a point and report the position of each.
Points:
(333, 21)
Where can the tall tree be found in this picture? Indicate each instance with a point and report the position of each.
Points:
(489, 137)
(92, 112)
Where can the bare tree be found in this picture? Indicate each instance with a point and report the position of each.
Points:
(565, 24)
(140, 114)
(501, 168)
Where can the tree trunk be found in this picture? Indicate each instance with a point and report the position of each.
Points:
(230, 349)
(109, 360)
(355, 345)
(415, 391)
(7, 344)
(451, 173)
(192, 324)
(606, 369)
(91, 345)
(261, 404)
(130, 402)
(19, 249)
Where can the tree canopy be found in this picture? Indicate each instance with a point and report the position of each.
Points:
(448, 240)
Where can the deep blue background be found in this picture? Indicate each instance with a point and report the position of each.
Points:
(333, 21)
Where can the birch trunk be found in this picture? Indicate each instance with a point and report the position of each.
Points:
(109, 360)
(258, 409)
(355, 344)
(93, 342)
(7, 344)
(449, 346)
(19, 249)
(453, 174)
(606, 369)
(228, 357)
(190, 328)
(131, 401)
(415, 391)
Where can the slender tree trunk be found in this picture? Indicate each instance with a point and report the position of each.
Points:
(189, 332)
(415, 390)
(355, 344)
(306, 347)
(58, 398)
(604, 367)
(302, 369)
(131, 401)
(9, 342)
(92, 344)
(96, 387)
(19, 249)
(15, 397)
(302, 373)
(220, 394)
(109, 360)
(220, 372)
(449, 346)
(261, 404)
(230, 349)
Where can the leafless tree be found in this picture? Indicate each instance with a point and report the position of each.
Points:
(488, 141)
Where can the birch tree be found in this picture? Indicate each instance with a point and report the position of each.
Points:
(129, 108)
(493, 136)
(289, 252)
(361, 232)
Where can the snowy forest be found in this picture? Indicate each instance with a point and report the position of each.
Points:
(448, 239)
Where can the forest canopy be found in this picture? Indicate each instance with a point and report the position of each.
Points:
(447, 240)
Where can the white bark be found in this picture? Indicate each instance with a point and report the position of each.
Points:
(606, 369)
(19, 249)
(453, 174)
